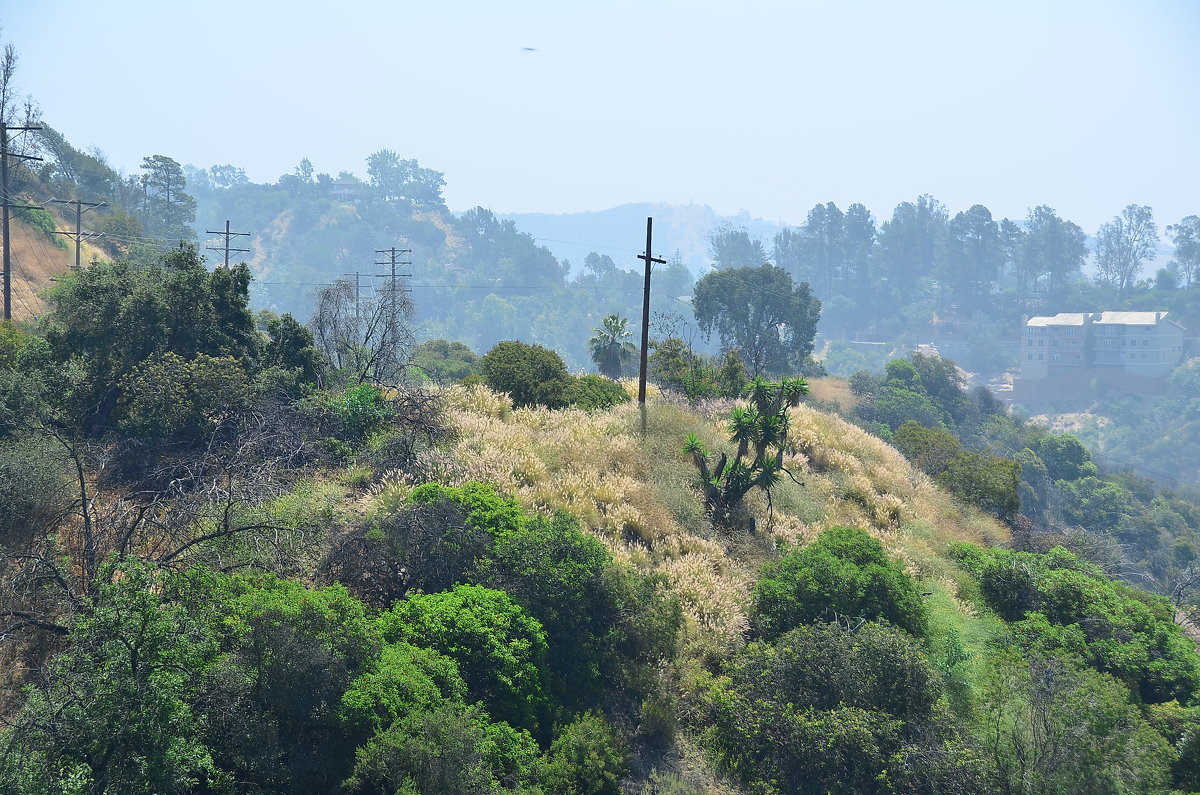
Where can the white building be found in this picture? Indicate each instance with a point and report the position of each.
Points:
(1145, 344)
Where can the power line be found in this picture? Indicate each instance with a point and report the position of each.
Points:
(228, 236)
(78, 234)
(392, 262)
(7, 206)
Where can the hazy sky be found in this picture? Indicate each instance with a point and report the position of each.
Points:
(764, 106)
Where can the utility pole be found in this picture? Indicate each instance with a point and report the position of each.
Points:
(393, 262)
(4, 156)
(228, 235)
(357, 318)
(650, 260)
(78, 234)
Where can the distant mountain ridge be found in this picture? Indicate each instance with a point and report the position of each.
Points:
(679, 231)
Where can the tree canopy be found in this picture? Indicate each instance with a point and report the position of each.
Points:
(759, 312)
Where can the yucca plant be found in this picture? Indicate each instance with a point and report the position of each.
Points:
(760, 431)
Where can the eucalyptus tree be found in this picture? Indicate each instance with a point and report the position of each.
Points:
(1186, 237)
(760, 313)
(1123, 244)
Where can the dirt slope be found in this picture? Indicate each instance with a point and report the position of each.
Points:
(36, 262)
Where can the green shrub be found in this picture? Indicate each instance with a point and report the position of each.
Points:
(585, 759)
(451, 747)
(824, 709)
(499, 648)
(592, 392)
(602, 624)
(362, 411)
(843, 574)
(444, 362)
(1058, 603)
(530, 374)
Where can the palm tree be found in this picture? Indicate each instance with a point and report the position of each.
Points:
(610, 346)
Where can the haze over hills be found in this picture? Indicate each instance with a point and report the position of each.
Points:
(680, 232)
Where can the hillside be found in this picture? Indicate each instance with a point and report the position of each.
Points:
(639, 499)
(234, 568)
(36, 263)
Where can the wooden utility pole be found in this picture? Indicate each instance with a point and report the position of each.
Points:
(650, 260)
(228, 236)
(8, 205)
(79, 235)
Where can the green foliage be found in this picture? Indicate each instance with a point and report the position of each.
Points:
(35, 487)
(163, 208)
(499, 648)
(759, 312)
(611, 348)
(843, 575)
(169, 397)
(396, 178)
(117, 714)
(601, 624)
(1186, 769)
(924, 388)
(289, 655)
(895, 406)
(1050, 725)
(530, 374)
(291, 348)
(672, 364)
(42, 222)
(444, 362)
(1065, 457)
(989, 482)
(585, 759)
(362, 411)
(829, 710)
(594, 392)
(111, 317)
(450, 747)
(760, 431)
(930, 449)
(1059, 604)
(561, 576)
(404, 679)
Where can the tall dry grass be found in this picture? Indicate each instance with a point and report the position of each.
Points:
(637, 494)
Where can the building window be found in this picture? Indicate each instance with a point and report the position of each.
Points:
(1041, 343)
(1072, 331)
(1040, 356)
(1029, 356)
(1145, 356)
(1054, 357)
(1029, 343)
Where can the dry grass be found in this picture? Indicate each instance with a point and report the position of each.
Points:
(833, 390)
(36, 261)
(637, 494)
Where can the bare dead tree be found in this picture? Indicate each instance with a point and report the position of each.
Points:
(367, 337)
